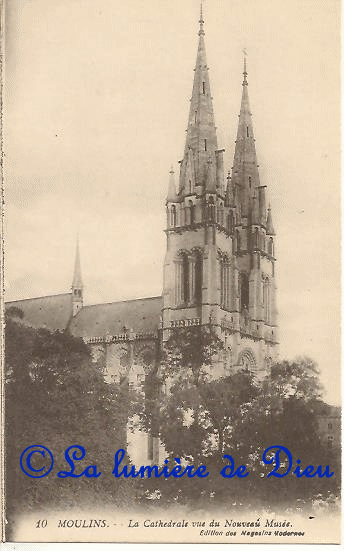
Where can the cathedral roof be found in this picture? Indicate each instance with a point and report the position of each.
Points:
(98, 320)
(52, 312)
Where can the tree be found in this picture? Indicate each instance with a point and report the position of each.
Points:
(284, 412)
(204, 416)
(56, 396)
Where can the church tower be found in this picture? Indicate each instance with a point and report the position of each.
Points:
(77, 285)
(219, 263)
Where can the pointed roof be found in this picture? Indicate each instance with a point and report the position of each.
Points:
(245, 168)
(77, 279)
(201, 132)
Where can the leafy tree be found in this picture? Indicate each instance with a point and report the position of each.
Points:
(285, 413)
(56, 396)
(204, 416)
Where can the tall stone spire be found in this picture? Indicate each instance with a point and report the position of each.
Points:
(245, 174)
(201, 139)
(77, 284)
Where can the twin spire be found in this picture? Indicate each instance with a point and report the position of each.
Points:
(202, 165)
(201, 140)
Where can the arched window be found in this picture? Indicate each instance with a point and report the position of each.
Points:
(271, 246)
(244, 292)
(211, 209)
(173, 216)
(256, 239)
(185, 279)
(224, 283)
(198, 278)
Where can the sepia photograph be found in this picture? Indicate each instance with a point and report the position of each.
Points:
(171, 304)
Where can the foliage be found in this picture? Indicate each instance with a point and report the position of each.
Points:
(57, 397)
(204, 415)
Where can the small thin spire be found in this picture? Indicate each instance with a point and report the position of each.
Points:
(201, 23)
(245, 83)
(77, 279)
(269, 225)
(171, 195)
(229, 198)
(255, 208)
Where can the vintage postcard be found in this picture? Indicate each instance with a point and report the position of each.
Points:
(172, 271)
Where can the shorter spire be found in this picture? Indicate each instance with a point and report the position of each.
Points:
(201, 23)
(171, 195)
(77, 279)
(269, 225)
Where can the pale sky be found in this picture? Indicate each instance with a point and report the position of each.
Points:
(97, 99)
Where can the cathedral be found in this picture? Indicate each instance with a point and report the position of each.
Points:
(219, 266)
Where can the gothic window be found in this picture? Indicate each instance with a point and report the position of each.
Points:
(173, 216)
(247, 131)
(203, 87)
(205, 145)
(244, 292)
(198, 278)
(249, 181)
(256, 238)
(185, 279)
(195, 117)
(271, 246)
(211, 209)
(224, 282)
